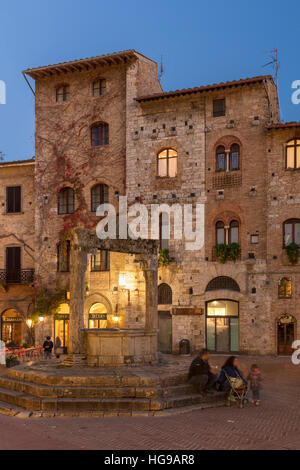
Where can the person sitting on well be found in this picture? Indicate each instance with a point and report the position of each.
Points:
(200, 374)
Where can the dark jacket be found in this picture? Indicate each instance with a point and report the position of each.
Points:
(231, 372)
(48, 346)
(199, 367)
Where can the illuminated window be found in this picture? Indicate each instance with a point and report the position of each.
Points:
(222, 308)
(99, 87)
(62, 93)
(66, 201)
(99, 195)
(167, 163)
(293, 154)
(98, 317)
(285, 289)
(292, 232)
(100, 134)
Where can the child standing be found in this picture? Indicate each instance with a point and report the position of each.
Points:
(255, 379)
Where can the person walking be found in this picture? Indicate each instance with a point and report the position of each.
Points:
(48, 347)
(57, 347)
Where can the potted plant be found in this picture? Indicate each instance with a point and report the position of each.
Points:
(12, 361)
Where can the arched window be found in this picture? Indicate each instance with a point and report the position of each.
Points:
(234, 158)
(167, 163)
(98, 317)
(293, 154)
(234, 232)
(66, 201)
(62, 93)
(165, 296)
(223, 283)
(220, 233)
(99, 195)
(291, 232)
(221, 158)
(99, 87)
(285, 288)
(100, 134)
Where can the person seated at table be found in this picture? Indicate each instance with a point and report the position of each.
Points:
(231, 369)
(200, 374)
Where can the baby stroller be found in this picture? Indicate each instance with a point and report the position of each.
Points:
(238, 391)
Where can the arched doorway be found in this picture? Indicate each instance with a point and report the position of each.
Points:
(11, 327)
(62, 325)
(98, 317)
(222, 326)
(286, 327)
(165, 299)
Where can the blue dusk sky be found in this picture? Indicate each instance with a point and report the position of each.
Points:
(201, 42)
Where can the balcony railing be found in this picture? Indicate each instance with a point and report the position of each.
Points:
(22, 276)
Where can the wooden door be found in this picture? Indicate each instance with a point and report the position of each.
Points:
(165, 332)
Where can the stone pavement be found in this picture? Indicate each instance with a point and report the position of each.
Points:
(275, 425)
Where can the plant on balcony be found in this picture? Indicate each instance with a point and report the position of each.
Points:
(229, 252)
(293, 253)
(164, 258)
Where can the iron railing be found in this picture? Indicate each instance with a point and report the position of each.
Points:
(21, 276)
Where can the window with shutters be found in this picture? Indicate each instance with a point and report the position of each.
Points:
(99, 87)
(13, 200)
(62, 93)
(100, 262)
(99, 195)
(66, 201)
(100, 134)
(63, 257)
(219, 108)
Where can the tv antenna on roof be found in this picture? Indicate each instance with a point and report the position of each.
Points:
(161, 70)
(275, 62)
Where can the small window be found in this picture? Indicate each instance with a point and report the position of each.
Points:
(99, 195)
(101, 261)
(292, 232)
(254, 239)
(234, 163)
(167, 163)
(99, 87)
(221, 159)
(219, 108)
(100, 134)
(13, 200)
(63, 257)
(62, 93)
(220, 233)
(285, 289)
(293, 154)
(66, 201)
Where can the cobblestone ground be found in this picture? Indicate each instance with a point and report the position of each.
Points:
(274, 425)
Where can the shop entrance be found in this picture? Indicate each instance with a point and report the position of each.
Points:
(11, 328)
(286, 334)
(222, 326)
(62, 326)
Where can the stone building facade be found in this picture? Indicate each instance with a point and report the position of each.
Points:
(105, 123)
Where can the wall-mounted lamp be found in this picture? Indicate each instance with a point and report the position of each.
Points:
(29, 323)
(68, 295)
(41, 319)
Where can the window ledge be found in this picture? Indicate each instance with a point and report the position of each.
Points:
(13, 213)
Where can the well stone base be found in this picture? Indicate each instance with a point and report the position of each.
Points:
(120, 347)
